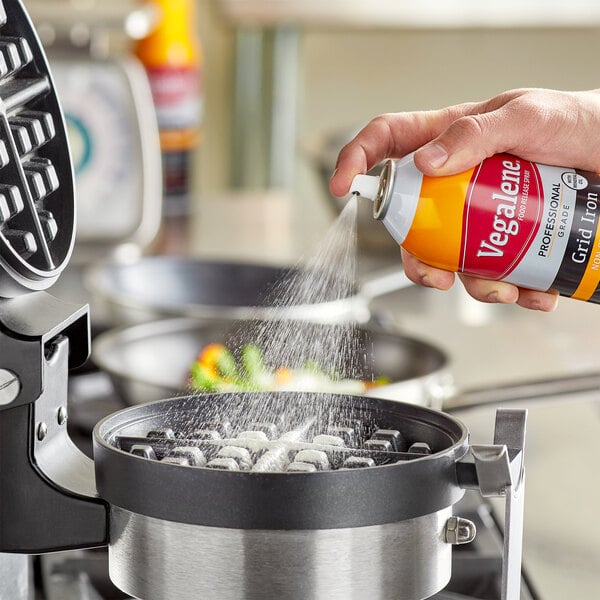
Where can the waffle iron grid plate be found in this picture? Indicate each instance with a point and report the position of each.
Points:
(37, 208)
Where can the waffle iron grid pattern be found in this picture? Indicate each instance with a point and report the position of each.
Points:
(263, 447)
(36, 220)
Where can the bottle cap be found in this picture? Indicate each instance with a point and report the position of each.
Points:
(365, 186)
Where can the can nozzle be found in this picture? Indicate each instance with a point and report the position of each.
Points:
(365, 186)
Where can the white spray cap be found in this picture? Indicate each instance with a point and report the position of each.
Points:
(365, 186)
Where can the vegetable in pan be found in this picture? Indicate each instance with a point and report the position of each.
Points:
(217, 370)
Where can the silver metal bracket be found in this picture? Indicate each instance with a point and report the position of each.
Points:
(501, 472)
(459, 531)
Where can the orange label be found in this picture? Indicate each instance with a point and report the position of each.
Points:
(436, 232)
(177, 140)
(591, 277)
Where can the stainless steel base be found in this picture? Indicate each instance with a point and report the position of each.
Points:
(154, 559)
(16, 577)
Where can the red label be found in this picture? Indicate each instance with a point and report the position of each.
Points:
(502, 215)
(172, 85)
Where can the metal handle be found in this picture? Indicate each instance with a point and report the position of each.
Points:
(537, 389)
(384, 282)
(500, 472)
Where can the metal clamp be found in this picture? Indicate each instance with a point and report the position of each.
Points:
(500, 471)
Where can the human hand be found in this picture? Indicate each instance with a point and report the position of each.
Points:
(547, 126)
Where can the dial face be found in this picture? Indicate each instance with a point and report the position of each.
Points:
(102, 126)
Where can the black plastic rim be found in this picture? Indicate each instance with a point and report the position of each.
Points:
(248, 500)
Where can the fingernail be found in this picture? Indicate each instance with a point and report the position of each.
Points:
(435, 155)
(333, 174)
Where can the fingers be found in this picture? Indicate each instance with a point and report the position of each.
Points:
(546, 126)
(543, 301)
(371, 145)
(486, 290)
(483, 290)
(506, 293)
(482, 130)
(480, 289)
(391, 135)
(469, 140)
(425, 275)
(541, 125)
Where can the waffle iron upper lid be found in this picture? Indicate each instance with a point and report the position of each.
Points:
(37, 204)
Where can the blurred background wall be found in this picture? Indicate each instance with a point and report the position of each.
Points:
(348, 75)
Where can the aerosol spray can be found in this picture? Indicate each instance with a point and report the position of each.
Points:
(508, 219)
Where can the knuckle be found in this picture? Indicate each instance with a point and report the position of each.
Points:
(381, 124)
(380, 121)
(530, 107)
(541, 108)
(506, 97)
(415, 270)
(469, 126)
(368, 138)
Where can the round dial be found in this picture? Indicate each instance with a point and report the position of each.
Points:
(101, 115)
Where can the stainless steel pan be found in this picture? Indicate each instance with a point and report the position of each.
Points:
(168, 286)
(150, 361)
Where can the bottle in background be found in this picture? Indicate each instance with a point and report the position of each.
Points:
(172, 56)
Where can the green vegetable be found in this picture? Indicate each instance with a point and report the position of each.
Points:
(253, 362)
(226, 366)
(203, 378)
(217, 370)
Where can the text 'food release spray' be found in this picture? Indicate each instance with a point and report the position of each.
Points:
(508, 219)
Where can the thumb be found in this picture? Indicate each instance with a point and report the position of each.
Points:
(466, 142)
